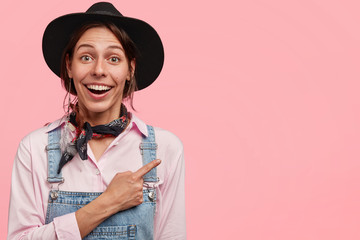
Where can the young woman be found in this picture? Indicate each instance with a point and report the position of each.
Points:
(96, 173)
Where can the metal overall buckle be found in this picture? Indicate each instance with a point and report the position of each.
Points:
(54, 192)
(151, 194)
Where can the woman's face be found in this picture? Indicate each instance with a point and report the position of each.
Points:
(99, 69)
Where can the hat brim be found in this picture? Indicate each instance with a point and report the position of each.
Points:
(148, 65)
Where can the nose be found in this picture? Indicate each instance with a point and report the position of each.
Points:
(99, 68)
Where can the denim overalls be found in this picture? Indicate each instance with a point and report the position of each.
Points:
(133, 223)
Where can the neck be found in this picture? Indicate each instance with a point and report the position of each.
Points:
(99, 118)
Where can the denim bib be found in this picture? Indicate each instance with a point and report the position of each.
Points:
(134, 223)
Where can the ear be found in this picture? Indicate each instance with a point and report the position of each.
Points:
(68, 65)
(132, 68)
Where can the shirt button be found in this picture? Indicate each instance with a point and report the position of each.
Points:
(97, 172)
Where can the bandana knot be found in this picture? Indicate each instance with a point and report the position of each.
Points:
(84, 135)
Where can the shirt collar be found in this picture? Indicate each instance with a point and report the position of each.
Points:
(56, 124)
(140, 125)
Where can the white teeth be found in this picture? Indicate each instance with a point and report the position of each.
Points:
(98, 87)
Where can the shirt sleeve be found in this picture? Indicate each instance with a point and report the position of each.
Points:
(170, 223)
(26, 214)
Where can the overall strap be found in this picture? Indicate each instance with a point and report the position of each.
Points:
(148, 148)
(54, 156)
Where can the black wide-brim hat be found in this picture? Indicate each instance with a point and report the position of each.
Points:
(148, 65)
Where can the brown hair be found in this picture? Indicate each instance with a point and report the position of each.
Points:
(130, 50)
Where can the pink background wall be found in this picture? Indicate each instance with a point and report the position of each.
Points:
(264, 95)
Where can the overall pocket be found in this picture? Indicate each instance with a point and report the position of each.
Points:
(113, 232)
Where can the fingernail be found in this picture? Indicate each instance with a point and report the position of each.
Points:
(158, 161)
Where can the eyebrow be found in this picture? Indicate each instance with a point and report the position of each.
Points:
(109, 47)
(116, 47)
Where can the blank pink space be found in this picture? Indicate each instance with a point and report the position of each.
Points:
(264, 95)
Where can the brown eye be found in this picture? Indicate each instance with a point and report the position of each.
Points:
(114, 59)
(85, 58)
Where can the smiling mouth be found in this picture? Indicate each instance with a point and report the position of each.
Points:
(98, 89)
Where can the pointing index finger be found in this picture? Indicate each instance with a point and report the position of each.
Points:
(147, 168)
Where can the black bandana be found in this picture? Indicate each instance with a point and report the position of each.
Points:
(84, 135)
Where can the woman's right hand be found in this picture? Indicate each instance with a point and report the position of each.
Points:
(126, 188)
(124, 191)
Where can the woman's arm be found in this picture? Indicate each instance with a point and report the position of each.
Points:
(26, 211)
(170, 221)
